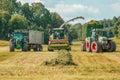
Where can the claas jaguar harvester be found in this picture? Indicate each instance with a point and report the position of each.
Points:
(26, 40)
(59, 38)
(97, 39)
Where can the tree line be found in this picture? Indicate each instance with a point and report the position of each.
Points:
(14, 15)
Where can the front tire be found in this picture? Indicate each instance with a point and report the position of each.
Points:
(96, 47)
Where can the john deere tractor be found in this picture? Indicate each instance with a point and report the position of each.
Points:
(97, 40)
(26, 40)
(18, 41)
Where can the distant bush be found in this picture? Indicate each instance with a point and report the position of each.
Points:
(64, 58)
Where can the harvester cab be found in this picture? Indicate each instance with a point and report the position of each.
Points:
(58, 33)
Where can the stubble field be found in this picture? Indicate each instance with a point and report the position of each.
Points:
(28, 65)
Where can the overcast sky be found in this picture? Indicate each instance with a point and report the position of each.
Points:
(90, 9)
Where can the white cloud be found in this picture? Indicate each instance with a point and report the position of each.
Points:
(30, 1)
(67, 9)
(116, 7)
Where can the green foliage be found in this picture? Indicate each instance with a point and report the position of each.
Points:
(76, 31)
(18, 22)
(64, 58)
(117, 28)
(73, 33)
(41, 16)
(4, 26)
(56, 20)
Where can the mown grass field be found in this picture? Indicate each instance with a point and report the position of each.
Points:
(90, 66)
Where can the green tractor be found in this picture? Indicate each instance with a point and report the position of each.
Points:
(99, 41)
(18, 41)
(26, 40)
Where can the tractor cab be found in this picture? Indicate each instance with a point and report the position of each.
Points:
(97, 33)
(18, 36)
(58, 33)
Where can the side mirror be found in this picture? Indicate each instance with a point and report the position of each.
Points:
(8, 35)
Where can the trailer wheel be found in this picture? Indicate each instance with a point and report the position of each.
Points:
(35, 49)
(88, 49)
(111, 46)
(12, 48)
(96, 47)
(40, 48)
(83, 48)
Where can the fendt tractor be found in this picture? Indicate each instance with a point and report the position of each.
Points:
(59, 38)
(26, 40)
(97, 39)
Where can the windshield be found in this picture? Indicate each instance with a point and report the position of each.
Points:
(18, 36)
(98, 32)
(58, 34)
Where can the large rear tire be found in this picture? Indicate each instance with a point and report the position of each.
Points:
(83, 48)
(112, 46)
(96, 47)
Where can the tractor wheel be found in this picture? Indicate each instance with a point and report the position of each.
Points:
(83, 48)
(35, 48)
(96, 47)
(41, 48)
(29, 49)
(24, 48)
(112, 46)
(12, 48)
(87, 46)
